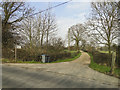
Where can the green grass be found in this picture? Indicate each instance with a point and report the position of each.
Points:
(63, 60)
(104, 51)
(117, 71)
(28, 62)
(70, 51)
(102, 68)
(7, 60)
(68, 59)
(18, 61)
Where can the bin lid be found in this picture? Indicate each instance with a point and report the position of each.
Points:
(43, 55)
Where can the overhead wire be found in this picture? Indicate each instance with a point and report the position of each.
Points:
(50, 8)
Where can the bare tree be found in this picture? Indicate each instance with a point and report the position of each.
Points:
(50, 26)
(12, 13)
(46, 26)
(69, 40)
(75, 33)
(83, 44)
(57, 43)
(118, 48)
(37, 30)
(103, 23)
(27, 31)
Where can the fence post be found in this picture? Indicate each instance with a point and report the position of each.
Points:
(113, 62)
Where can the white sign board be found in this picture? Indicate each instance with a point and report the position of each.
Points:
(18, 47)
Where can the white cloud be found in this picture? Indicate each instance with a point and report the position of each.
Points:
(63, 24)
(77, 5)
(81, 16)
(77, 13)
(66, 22)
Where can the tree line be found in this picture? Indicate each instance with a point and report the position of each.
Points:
(19, 27)
(100, 29)
(35, 33)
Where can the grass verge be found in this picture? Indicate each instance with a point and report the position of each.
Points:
(104, 51)
(102, 68)
(68, 59)
(63, 60)
(18, 61)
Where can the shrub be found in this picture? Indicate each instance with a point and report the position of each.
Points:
(57, 56)
(103, 68)
(8, 53)
(26, 55)
(34, 54)
(102, 58)
(22, 55)
(118, 57)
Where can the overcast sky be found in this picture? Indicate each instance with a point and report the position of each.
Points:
(66, 15)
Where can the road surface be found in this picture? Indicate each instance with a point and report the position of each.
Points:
(74, 74)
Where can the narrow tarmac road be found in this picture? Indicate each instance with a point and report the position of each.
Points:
(74, 74)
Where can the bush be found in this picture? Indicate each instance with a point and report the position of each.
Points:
(118, 56)
(99, 57)
(102, 58)
(22, 55)
(34, 54)
(8, 53)
(74, 54)
(103, 68)
(57, 56)
(26, 55)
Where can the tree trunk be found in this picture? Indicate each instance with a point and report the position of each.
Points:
(47, 42)
(42, 40)
(47, 39)
(118, 55)
(109, 49)
(68, 44)
(30, 37)
(77, 44)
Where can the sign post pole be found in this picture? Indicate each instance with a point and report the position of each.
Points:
(16, 47)
(15, 53)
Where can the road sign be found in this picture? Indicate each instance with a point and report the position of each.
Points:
(18, 47)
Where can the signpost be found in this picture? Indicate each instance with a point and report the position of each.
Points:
(16, 47)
